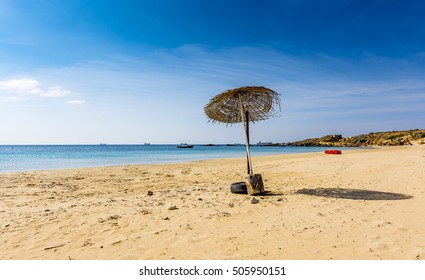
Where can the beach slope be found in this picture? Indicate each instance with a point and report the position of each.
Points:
(365, 204)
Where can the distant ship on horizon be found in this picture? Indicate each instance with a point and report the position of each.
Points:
(264, 143)
(184, 145)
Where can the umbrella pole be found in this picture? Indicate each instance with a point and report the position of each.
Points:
(248, 155)
(245, 119)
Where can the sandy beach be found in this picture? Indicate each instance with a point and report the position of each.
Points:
(361, 205)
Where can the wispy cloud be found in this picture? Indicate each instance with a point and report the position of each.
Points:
(17, 40)
(55, 91)
(25, 88)
(168, 89)
(307, 84)
(75, 102)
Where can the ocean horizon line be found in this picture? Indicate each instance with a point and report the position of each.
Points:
(136, 144)
(15, 158)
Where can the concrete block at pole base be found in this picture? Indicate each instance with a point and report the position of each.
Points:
(254, 184)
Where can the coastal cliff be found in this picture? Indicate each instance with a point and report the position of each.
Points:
(389, 138)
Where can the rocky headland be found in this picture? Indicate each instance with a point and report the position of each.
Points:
(389, 138)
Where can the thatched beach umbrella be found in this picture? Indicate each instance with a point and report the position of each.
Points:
(244, 104)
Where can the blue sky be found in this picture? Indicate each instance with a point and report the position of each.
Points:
(112, 71)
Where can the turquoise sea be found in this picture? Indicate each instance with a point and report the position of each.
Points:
(15, 158)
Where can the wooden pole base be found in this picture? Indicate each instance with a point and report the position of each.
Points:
(254, 184)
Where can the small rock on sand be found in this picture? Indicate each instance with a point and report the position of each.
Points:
(253, 200)
(150, 192)
(171, 207)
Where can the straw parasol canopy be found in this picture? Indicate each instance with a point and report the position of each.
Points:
(260, 102)
(244, 104)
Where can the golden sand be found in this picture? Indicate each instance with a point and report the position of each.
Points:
(367, 204)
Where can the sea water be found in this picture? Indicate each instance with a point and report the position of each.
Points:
(15, 158)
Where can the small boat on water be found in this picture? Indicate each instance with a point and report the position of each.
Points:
(264, 144)
(184, 145)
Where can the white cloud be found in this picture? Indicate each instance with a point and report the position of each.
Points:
(55, 91)
(11, 99)
(22, 89)
(75, 102)
(21, 86)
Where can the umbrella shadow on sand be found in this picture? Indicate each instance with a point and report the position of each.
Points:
(354, 194)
